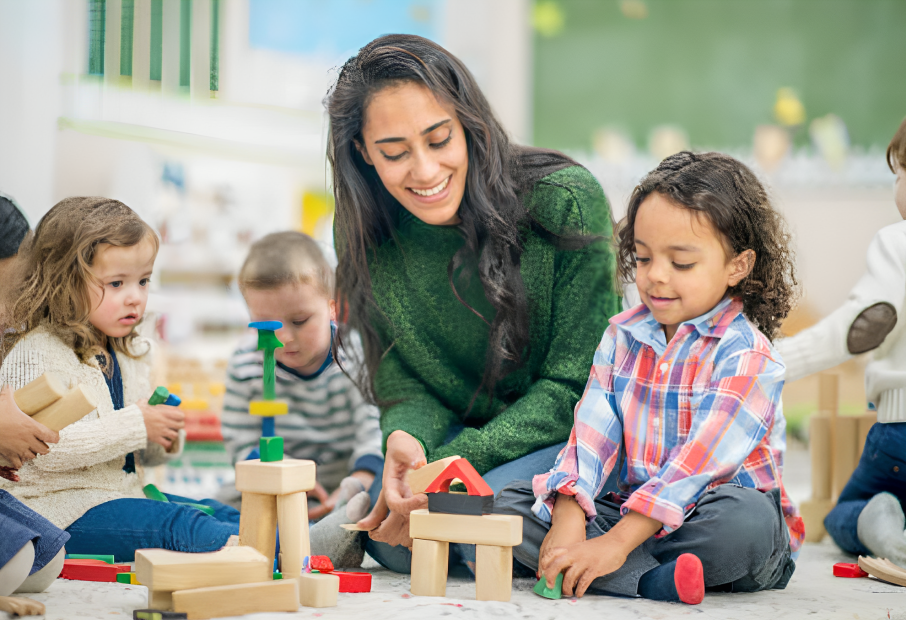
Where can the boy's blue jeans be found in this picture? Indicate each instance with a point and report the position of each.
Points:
(882, 468)
(121, 526)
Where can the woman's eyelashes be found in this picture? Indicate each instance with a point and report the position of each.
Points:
(433, 145)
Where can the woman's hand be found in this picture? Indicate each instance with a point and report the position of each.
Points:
(163, 423)
(21, 438)
(403, 453)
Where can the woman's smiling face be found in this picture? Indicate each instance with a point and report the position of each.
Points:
(418, 148)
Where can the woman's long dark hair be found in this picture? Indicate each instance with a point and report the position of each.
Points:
(492, 214)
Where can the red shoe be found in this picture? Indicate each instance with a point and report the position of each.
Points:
(689, 579)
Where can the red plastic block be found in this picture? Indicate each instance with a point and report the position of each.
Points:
(354, 582)
(321, 563)
(845, 569)
(462, 469)
(92, 570)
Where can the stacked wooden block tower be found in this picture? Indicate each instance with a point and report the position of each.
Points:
(461, 518)
(835, 447)
(240, 579)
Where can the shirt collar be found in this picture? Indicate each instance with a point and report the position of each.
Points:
(641, 324)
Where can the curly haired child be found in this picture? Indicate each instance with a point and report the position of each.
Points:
(683, 397)
(80, 290)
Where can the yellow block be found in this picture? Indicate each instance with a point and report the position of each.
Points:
(216, 389)
(195, 404)
(268, 408)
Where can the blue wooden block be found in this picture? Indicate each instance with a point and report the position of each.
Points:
(268, 428)
(271, 325)
(173, 400)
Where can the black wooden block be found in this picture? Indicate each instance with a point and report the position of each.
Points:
(460, 503)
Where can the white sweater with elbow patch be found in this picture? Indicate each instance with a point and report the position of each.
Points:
(824, 345)
(85, 469)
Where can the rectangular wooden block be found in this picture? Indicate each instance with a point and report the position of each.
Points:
(497, 530)
(158, 599)
(268, 408)
(74, 406)
(292, 517)
(819, 445)
(493, 573)
(845, 451)
(167, 571)
(40, 393)
(318, 589)
(277, 478)
(419, 479)
(460, 503)
(237, 600)
(258, 523)
(813, 512)
(429, 567)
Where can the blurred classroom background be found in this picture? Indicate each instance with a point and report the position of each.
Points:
(206, 117)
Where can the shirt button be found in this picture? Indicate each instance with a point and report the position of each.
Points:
(664, 367)
(656, 422)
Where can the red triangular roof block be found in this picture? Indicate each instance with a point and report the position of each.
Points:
(462, 469)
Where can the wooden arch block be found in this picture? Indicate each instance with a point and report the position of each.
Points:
(462, 469)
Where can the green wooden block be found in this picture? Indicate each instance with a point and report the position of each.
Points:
(554, 593)
(160, 396)
(152, 492)
(124, 578)
(87, 556)
(278, 575)
(271, 449)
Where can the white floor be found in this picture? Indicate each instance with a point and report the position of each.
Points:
(813, 592)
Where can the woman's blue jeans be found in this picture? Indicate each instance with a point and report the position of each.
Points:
(882, 468)
(121, 526)
(399, 558)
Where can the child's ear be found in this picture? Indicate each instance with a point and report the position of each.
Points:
(363, 152)
(332, 305)
(741, 266)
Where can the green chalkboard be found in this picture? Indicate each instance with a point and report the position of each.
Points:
(713, 67)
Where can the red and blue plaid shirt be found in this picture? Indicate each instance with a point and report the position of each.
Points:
(691, 414)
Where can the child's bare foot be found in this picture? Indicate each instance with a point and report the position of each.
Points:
(21, 606)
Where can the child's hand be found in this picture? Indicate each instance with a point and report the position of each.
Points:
(163, 423)
(581, 563)
(328, 502)
(21, 438)
(567, 526)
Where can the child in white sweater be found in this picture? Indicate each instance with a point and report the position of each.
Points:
(868, 518)
(79, 291)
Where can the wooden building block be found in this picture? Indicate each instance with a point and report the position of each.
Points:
(237, 600)
(268, 408)
(292, 518)
(813, 512)
(258, 523)
(278, 478)
(156, 614)
(493, 573)
(461, 470)
(845, 451)
(74, 406)
(498, 530)
(318, 589)
(40, 393)
(460, 503)
(819, 445)
(419, 479)
(271, 449)
(354, 582)
(429, 567)
(166, 571)
(158, 599)
(883, 569)
(866, 421)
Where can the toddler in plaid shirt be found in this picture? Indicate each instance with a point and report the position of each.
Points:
(684, 399)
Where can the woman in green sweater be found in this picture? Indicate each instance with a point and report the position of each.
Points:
(477, 272)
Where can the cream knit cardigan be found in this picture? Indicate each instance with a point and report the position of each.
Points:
(85, 468)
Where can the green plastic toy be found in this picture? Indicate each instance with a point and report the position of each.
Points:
(87, 556)
(554, 593)
(152, 492)
(271, 449)
(268, 342)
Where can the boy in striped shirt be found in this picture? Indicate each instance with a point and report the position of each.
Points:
(286, 278)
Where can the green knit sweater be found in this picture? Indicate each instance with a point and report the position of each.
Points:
(437, 362)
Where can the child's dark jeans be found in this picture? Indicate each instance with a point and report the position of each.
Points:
(738, 534)
(881, 468)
